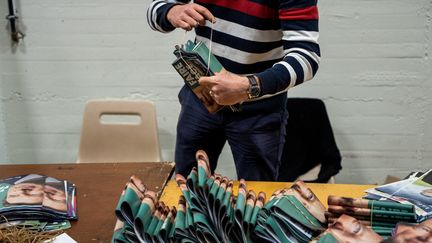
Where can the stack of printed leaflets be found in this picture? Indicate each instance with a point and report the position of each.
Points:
(415, 190)
(141, 217)
(208, 211)
(37, 201)
(380, 216)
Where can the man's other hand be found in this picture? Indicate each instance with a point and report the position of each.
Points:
(226, 88)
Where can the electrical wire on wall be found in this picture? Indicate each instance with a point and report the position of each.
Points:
(16, 34)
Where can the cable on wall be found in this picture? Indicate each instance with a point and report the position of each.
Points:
(16, 34)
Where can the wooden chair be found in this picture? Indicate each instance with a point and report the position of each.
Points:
(103, 140)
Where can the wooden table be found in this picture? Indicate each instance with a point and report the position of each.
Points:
(171, 192)
(98, 190)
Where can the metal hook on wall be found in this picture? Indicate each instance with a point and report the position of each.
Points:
(16, 34)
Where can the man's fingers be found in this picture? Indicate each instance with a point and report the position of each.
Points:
(223, 71)
(200, 19)
(182, 24)
(190, 21)
(207, 81)
(205, 13)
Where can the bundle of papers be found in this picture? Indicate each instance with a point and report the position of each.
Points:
(141, 217)
(37, 200)
(410, 232)
(213, 214)
(291, 215)
(348, 229)
(193, 61)
(381, 216)
(36, 203)
(415, 190)
(208, 211)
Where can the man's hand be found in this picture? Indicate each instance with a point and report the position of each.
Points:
(226, 88)
(189, 16)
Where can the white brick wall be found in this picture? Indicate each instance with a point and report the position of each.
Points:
(375, 78)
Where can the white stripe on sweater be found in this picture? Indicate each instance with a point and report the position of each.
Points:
(152, 15)
(311, 54)
(244, 32)
(307, 68)
(242, 56)
(301, 35)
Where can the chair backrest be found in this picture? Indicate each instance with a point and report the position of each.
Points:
(103, 140)
(310, 148)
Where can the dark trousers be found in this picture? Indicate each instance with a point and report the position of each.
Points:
(256, 138)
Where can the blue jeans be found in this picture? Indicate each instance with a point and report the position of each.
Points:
(256, 138)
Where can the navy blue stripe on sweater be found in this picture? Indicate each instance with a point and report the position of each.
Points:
(312, 62)
(269, 3)
(240, 68)
(309, 25)
(238, 43)
(297, 68)
(274, 78)
(292, 4)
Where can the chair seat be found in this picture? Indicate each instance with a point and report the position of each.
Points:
(312, 175)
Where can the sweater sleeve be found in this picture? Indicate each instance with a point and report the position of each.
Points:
(299, 23)
(157, 15)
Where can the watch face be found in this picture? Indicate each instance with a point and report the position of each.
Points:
(254, 88)
(254, 91)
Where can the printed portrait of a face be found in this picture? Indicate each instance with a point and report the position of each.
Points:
(348, 229)
(427, 192)
(414, 233)
(54, 198)
(30, 193)
(25, 193)
(305, 195)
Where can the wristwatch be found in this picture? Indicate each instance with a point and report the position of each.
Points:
(254, 90)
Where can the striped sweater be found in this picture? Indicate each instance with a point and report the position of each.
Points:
(275, 40)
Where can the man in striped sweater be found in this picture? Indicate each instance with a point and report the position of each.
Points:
(267, 47)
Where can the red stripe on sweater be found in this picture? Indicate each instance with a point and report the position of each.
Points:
(246, 7)
(309, 13)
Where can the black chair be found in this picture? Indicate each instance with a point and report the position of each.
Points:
(309, 142)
